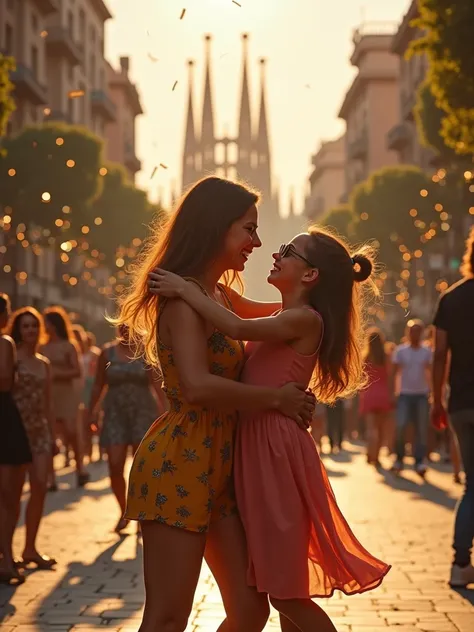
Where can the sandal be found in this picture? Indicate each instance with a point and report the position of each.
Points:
(42, 562)
(12, 578)
(83, 478)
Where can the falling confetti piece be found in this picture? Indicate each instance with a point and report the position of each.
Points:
(174, 85)
(44, 34)
(74, 94)
(234, 2)
(155, 169)
(151, 58)
(182, 14)
(107, 365)
(164, 166)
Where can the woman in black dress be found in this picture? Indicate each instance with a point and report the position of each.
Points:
(15, 452)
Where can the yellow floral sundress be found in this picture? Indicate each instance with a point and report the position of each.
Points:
(182, 472)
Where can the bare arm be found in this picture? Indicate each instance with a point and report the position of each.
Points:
(99, 383)
(199, 386)
(7, 363)
(440, 363)
(288, 325)
(248, 308)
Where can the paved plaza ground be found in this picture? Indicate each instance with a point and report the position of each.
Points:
(98, 579)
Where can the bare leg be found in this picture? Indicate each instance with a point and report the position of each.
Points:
(287, 626)
(38, 473)
(305, 614)
(226, 554)
(170, 592)
(12, 478)
(116, 456)
(73, 438)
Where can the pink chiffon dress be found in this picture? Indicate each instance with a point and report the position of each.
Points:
(299, 544)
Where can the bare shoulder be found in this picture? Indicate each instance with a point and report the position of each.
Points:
(6, 342)
(303, 315)
(43, 359)
(178, 310)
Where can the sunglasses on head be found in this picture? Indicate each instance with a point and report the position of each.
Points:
(288, 250)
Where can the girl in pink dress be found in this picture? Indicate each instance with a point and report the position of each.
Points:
(299, 544)
(375, 401)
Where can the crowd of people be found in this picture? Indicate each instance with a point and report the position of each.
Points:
(202, 484)
(58, 391)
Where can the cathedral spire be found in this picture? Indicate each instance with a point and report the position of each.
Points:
(245, 121)
(189, 172)
(207, 125)
(262, 144)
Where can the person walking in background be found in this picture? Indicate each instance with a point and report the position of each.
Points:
(60, 348)
(412, 366)
(375, 401)
(455, 337)
(15, 452)
(33, 397)
(133, 401)
(335, 424)
(89, 361)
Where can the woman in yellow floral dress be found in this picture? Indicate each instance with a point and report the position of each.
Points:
(180, 483)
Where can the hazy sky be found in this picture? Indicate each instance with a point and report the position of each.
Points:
(307, 44)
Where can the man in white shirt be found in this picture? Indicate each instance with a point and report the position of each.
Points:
(412, 365)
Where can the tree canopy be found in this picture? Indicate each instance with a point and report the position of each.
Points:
(397, 206)
(448, 26)
(7, 103)
(50, 172)
(341, 218)
(120, 217)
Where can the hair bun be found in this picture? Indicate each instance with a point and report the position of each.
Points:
(362, 268)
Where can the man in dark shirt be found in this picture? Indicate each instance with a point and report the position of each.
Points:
(454, 323)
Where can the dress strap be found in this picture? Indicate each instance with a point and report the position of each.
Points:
(224, 291)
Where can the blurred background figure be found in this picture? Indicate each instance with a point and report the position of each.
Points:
(335, 418)
(375, 401)
(133, 400)
(15, 453)
(62, 351)
(89, 365)
(33, 397)
(412, 367)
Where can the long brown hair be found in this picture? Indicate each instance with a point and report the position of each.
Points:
(339, 297)
(375, 349)
(186, 244)
(59, 319)
(15, 324)
(467, 266)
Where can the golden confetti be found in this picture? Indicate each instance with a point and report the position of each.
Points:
(234, 2)
(44, 34)
(74, 94)
(151, 58)
(46, 197)
(155, 169)
(11, 172)
(174, 85)
(47, 111)
(103, 171)
(163, 166)
(182, 14)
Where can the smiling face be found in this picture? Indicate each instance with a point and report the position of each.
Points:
(241, 239)
(291, 268)
(29, 329)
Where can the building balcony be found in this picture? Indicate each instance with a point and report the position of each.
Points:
(45, 7)
(357, 149)
(58, 115)
(103, 105)
(399, 137)
(59, 43)
(132, 163)
(27, 86)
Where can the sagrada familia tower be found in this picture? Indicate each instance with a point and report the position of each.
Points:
(245, 156)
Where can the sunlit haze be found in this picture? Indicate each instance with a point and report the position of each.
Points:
(307, 44)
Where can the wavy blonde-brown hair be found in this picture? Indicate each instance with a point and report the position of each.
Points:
(185, 244)
(340, 296)
(14, 325)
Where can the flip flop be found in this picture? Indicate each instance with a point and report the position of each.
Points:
(42, 562)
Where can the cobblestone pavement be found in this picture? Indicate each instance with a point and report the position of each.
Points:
(98, 579)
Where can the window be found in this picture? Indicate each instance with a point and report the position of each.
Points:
(34, 23)
(9, 39)
(82, 107)
(92, 70)
(92, 34)
(82, 26)
(70, 74)
(70, 110)
(10, 4)
(70, 23)
(102, 79)
(34, 61)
